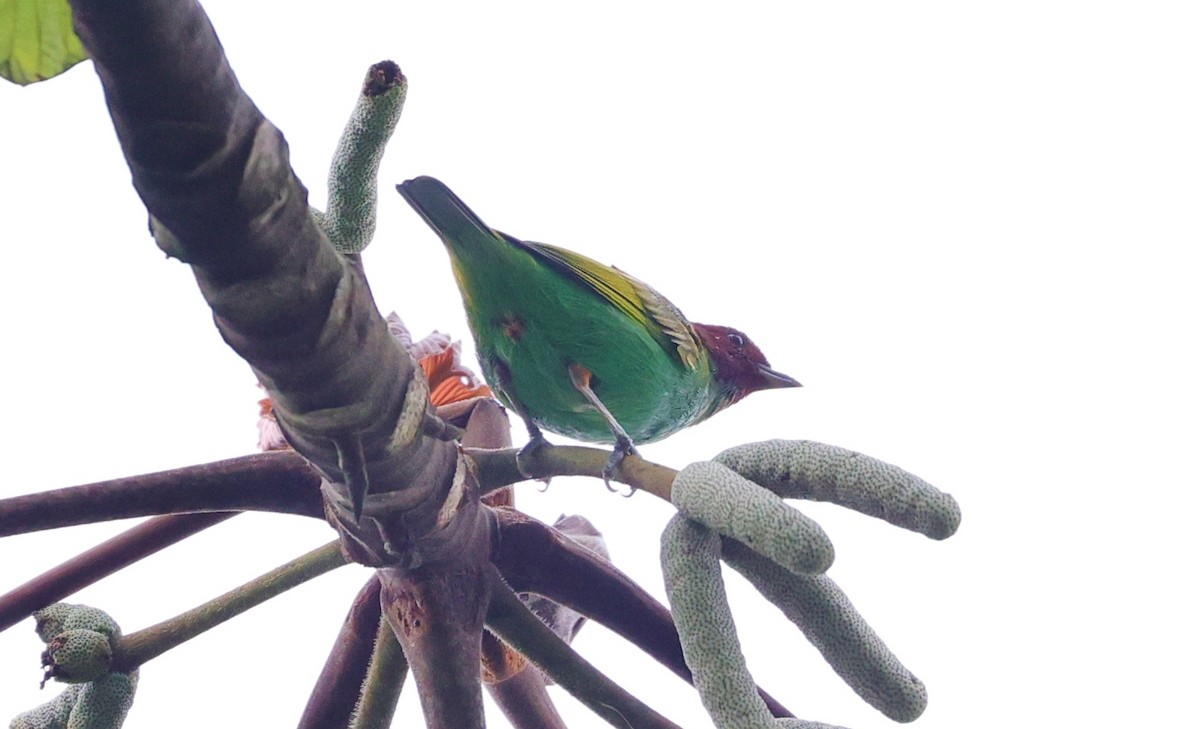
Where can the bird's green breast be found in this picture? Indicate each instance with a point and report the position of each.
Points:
(530, 322)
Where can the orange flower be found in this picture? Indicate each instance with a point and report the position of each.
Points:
(450, 381)
(441, 360)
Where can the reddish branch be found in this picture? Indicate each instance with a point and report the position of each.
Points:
(101, 561)
(536, 558)
(335, 694)
(279, 481)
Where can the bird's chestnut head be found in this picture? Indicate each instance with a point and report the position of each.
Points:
(740, 364)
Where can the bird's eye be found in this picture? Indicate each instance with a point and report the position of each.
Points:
(737, 340)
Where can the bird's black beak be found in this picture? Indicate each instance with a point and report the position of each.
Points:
(770, 379)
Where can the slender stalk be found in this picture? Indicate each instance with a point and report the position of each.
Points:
(535, 558)
(499, 468)
(136, 649)
(511, 620)
(524, 700)
(381, 691)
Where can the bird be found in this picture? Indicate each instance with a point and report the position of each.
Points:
(582, 349)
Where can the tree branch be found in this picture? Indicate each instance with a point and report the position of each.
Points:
(510, 619)
(437, 614)
(279, 481)
(135, 649)
(381, 690)
(336, 691)
(215, 176)
(101, 561)
(535, 558)
(499, 468)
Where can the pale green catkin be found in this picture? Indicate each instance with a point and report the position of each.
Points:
(79, 655)
(827, 618)
(716, 496)
(104, 703)
(696, 591)
(692, 572)
(79, 640)
(61, 616)
(801, 469)
(51, 715)
(349, 221)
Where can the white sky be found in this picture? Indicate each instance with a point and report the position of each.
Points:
(968, 228)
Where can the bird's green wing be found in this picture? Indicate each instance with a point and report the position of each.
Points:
(632, 297)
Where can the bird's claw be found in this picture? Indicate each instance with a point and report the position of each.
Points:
(624, 447)
(528, 451)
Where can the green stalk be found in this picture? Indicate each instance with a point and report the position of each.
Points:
(385, 678)
(137, 648)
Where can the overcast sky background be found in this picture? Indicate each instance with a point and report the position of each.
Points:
(969, 229)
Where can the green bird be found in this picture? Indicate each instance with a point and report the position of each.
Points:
(582, 349)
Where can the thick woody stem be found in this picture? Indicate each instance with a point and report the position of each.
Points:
(437, 614)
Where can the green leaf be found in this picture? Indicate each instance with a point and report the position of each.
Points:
(37, 40)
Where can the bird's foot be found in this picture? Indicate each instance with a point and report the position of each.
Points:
(624, 447)
(536, 442)
(581, 378)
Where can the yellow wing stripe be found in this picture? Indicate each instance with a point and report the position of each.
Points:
(632, 297)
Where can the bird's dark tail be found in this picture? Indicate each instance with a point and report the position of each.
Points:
(456, 224)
